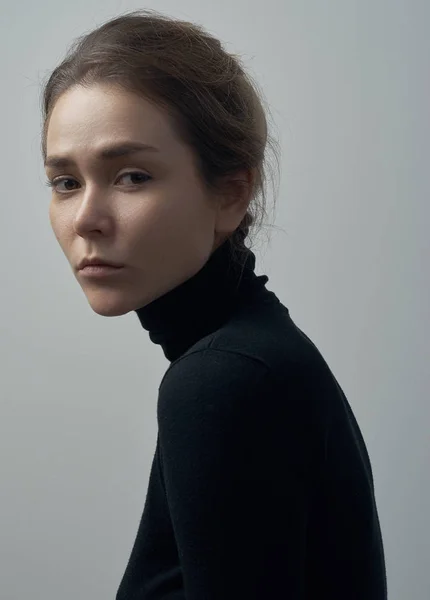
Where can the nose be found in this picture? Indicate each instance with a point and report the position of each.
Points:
(93, 211)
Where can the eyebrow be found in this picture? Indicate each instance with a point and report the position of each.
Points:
(107, 153)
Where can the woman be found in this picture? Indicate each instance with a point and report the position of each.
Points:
(261, 485)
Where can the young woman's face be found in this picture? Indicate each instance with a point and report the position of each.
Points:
(146, 210)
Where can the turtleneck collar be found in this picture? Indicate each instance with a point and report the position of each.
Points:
(201, 304)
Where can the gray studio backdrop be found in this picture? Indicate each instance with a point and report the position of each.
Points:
(348, 86)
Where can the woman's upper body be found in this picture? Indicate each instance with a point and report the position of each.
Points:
(261, 486)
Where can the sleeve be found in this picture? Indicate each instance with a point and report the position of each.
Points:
(234, 478)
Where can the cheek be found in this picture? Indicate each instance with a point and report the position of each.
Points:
(54, 220)
(193, 214)
(182, 215)
(61, 226)
(52, 217)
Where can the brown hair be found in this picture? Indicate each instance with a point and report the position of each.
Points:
(213, 104)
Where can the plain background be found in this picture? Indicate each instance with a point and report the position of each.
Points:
(348, 87)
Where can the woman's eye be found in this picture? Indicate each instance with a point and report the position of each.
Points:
(138, 173)
(54, 183)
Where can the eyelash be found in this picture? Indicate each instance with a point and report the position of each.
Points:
(52, 183)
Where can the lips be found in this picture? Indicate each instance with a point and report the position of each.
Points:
(97, 263)
(100, 265)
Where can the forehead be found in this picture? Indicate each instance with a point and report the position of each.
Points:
(88, 118)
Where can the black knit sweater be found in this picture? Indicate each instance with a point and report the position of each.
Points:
(261, 485)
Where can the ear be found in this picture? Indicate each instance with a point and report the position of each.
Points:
(233, 201)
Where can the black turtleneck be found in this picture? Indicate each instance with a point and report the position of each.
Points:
(201, 304)
(261, 485)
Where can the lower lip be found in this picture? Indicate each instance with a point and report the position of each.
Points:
(99, 270)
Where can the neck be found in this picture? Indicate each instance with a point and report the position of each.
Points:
(203, 303)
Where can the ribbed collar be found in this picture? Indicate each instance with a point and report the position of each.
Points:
(202, 303)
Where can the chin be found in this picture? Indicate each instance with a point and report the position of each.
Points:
(115, 303)
(113, 308)
(110, 312)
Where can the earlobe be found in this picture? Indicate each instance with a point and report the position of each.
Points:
(238, 189)
(230, 214)
(233, 202)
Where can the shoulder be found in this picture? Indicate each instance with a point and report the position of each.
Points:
(258, 356)
(211, 378)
